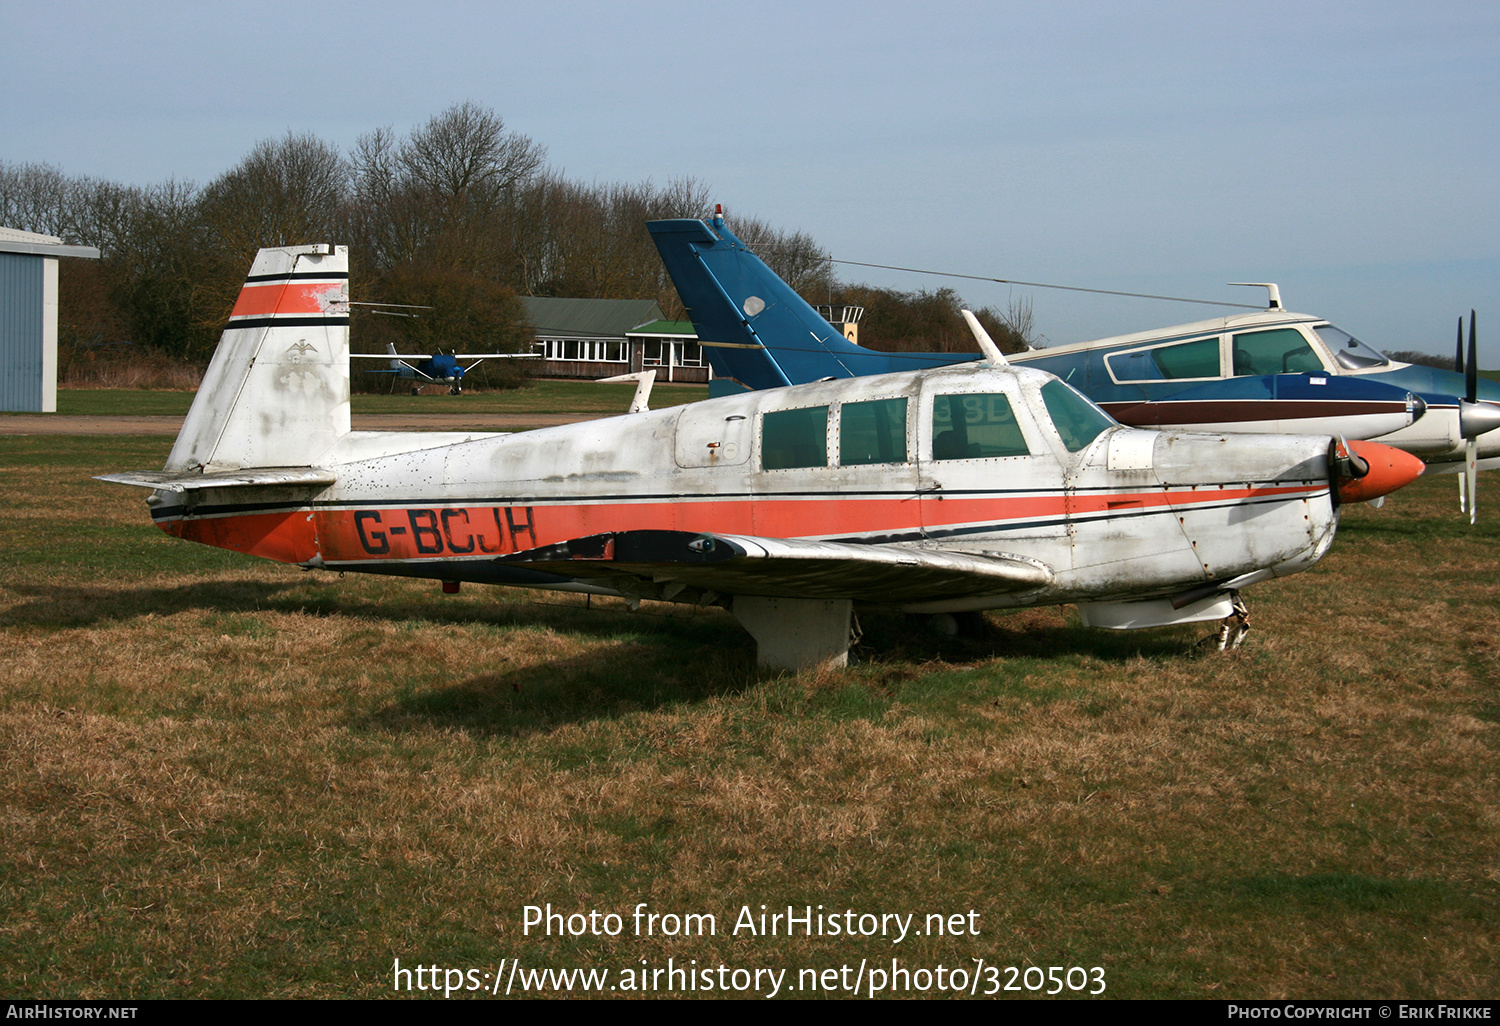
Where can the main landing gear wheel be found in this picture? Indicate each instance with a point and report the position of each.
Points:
(1232, 629)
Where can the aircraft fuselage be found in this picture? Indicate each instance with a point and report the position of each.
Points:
(1129, 513)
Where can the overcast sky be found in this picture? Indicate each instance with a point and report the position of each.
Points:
(1345, 150)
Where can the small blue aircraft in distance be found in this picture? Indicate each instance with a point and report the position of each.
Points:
(1270, 371)
(437, 369)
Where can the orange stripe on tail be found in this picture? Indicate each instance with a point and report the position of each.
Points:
(288, 298)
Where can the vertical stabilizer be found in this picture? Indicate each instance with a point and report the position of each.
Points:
(755, 328)
(276, 393)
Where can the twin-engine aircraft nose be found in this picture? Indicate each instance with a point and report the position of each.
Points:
(1369, 470)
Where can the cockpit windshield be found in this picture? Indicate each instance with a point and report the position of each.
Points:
(1350, 352)
(1077, 420)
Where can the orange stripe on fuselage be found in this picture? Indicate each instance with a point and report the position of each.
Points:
(436, 532)
(285, 537)
(286, 297)
(495, 530)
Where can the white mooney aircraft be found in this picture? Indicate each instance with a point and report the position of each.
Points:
(956, 488)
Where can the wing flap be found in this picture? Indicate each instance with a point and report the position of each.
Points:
(784, 567)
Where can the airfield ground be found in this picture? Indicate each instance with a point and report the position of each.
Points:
(229, 778)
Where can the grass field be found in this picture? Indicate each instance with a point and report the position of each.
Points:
(230, 778)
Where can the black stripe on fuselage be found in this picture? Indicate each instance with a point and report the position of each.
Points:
(265, 279)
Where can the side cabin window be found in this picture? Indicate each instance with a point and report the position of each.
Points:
(1196, 359)
(794, 438)
(1077, 420)
(1280, 351)
(872, 432)
(975, 426)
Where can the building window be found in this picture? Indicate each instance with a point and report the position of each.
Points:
(584, 350)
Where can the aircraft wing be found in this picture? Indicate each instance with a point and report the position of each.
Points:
(393, 369)
(786, 567)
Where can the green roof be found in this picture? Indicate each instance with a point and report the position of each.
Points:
(588, 318)
(666, 328)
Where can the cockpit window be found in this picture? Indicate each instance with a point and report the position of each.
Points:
(1196, 359)
(794, 438)
(1348, 351)
(872, 432)
(1278, 351)
(1076, 419)
(975, 426)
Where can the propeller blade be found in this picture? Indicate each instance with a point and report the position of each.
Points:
(1471, 475)
(1471, 368)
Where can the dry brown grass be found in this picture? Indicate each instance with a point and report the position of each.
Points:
(102, 368)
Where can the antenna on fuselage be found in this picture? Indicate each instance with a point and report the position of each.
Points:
(1273, 293)
(992, 354)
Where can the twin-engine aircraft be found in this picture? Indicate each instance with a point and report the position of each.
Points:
(1260, 372)
(956, 488)
(437, 369)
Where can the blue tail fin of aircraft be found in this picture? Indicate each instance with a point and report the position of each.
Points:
(758, 333)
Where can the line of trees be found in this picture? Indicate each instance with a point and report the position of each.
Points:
(460, 215)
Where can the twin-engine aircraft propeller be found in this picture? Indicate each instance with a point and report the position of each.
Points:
(1474, 419)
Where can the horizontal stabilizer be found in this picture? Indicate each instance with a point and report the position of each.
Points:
(456, 356)
(745, 565)
(259, 477)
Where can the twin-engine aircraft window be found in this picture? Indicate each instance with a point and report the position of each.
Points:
(872, 432)
(1279, 351)
(1350, 352)
(1077, 420)
(1196, 359)
(975, 426)
(794, 438)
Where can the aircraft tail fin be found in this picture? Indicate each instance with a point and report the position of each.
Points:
(754, 326)
(276, 393)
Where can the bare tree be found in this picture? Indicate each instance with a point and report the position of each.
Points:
(465, 157)
(33, 198)
(103, 214)
(286, 192)
(1021, 320)
(158, 268)
(445, 195)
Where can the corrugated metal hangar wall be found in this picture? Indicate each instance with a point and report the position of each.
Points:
(28, 318)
